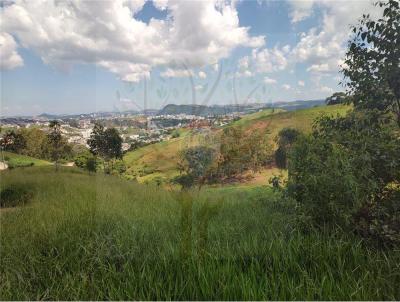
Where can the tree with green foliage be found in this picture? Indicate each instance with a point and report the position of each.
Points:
(106, 143)
(13, 141)
(55, 141)
(348, 167)
(337, 98)
(87, 161)
(91, 164)
(241, 151)
(285, 139)
(372, 64)
(37, 143)
(113, 144)
(96, 140)
(194, 166)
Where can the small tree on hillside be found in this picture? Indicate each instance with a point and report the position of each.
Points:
(55, 141)
(241, 151)
(337, 98)
(13, 141)
(96, 140)
(372, 64)
(285, 139)
(194, 166)
(113, 144)
(91, 164)
(106, 143)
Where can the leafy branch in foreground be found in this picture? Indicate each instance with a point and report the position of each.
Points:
(372, 64)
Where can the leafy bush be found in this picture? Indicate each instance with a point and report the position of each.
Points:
(285, 139)
(342, 171)
(195, 165)
(381, 221)
(19, 163)
(86, 161)
(175, 134)
(119, 167)
(15, 195)
(321, 180)
(241, 151)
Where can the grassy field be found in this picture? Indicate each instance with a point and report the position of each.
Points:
(17, 160)
(83, 237)
(160, 160)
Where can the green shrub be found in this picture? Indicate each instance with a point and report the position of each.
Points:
(119, 167)
(86, 161)
(285, 139)
(381, 221)
(15, 195)
(175, 134)
(342, 171)
(19, 163)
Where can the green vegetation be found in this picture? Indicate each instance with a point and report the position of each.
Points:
(161, 160)
(346, 173)
(16, 160)
(330, 232)
(99, 237)
(285, 140)
(107, 144)
(373, 61)
(38, 143)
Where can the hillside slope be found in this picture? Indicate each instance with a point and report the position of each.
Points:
(97, 237)
(18, 160)
(160, 160)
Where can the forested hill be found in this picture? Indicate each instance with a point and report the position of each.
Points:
(203, 110)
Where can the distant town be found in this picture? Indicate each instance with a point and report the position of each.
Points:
(151, 126)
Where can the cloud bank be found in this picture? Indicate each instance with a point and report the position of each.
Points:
(109, 34)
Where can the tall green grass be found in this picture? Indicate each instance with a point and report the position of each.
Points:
(98, 238)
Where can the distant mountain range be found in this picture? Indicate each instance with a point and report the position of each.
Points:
(202, 110)
(172, 109)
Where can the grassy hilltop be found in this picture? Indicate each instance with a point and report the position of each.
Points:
(160, 160)
(99, 237)
(14, 160)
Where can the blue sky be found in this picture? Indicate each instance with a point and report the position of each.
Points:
(65, 61)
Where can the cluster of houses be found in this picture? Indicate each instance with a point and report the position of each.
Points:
(135, 129)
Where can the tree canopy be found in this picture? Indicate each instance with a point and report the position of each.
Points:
(372, 64)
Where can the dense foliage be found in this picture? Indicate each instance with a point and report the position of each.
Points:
(107, 144)
(195, 166)
(345, 167)
(346, 174)
(372, 63)
(338, 98)
(235, 152)
(285, 139)
(241, 151)
(48, 145)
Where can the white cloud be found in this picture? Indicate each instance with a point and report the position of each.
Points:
(300, 10)
(301, 83)
(176, 73)
(286, 86)
(106, 33)
(202, 75)
(270, 81)
(244, 67)
(323, 47)
(9, 57)
(269, 60)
